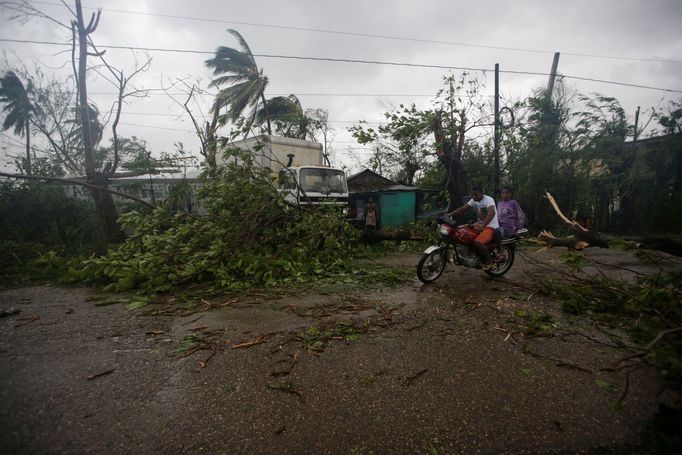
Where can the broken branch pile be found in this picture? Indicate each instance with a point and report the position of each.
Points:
(248, 237)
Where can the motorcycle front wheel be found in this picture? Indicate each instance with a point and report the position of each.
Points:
(431, 265)
(503, 261)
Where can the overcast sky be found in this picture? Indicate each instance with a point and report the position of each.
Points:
(633, 42)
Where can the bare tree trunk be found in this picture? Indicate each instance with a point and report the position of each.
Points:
(103, 200)
(211, 146)
(82, 88)
(450, 158)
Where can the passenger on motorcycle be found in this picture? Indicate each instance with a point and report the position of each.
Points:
(486, 225)
(510, 215)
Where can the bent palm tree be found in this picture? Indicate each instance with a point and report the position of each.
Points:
(238, 68)
(18, 110)
(288, 116)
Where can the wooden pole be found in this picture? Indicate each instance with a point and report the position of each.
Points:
(496, 147)
(636, 133)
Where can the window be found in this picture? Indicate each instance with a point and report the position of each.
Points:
(316, 180)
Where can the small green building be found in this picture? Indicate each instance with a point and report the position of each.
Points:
(398, 204)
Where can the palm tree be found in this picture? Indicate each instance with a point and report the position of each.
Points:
(238, 68)
(288, 116)
(93, 120)
(18, 110)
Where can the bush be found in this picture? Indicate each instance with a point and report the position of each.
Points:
(36, 220)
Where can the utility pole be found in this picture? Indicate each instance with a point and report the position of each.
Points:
(636, 125)
(552, 76)
(496, 143)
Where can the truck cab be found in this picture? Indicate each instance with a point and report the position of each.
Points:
(297, 168)
(314, 185)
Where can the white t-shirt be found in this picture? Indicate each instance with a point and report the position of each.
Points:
(482, 207)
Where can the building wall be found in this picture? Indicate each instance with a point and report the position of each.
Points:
(397, 208)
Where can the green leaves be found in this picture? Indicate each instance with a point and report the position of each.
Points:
(537, 324)
(606, 385)
(248, 237)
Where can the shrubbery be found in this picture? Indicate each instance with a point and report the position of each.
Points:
(41, 227)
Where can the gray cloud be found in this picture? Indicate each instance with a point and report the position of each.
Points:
(612, 28)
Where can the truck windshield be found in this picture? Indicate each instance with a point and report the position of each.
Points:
(315, 180)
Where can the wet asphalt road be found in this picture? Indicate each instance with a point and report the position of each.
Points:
(435, 369)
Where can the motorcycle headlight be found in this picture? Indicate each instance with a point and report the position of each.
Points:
(443, 229)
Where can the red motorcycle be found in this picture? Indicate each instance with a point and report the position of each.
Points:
(456, 247)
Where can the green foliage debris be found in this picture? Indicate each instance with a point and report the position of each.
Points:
(249, 236)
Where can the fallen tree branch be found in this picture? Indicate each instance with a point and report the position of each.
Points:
(97, 375)
(558, 211)
(248, 344)
(647, 349)
(582, 237)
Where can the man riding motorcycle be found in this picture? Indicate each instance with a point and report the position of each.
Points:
(486, 225)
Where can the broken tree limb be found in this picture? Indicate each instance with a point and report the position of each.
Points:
(647, 349)
(98, 375)
(248, 344)
(580, 239)
(558, 211)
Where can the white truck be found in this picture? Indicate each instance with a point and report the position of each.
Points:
(298, 168)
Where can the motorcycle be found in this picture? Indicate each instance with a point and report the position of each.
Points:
(456, 247)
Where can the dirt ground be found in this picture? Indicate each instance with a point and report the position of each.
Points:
(439, 369)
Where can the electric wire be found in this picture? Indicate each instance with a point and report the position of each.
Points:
(371, 35)
(348, 60)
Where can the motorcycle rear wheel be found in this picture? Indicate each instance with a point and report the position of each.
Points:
(431, 265)
(503, 263)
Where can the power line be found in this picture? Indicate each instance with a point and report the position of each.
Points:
(15, 142)
(183, 114)
(155, 127)
(347, 60)
(305, 94)
(370, 35)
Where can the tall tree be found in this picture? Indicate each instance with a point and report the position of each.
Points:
(103, 199)
(18, 110)
(407, 144)
(403, 142)
(238, 68)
